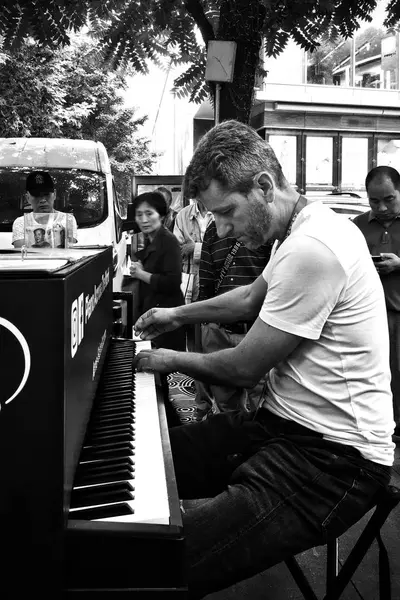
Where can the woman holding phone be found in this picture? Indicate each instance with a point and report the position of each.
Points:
(159, 264)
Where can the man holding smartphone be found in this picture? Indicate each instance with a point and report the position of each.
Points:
(381, 228)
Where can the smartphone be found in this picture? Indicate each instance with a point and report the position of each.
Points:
(377, 258)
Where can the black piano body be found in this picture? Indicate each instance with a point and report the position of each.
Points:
(55, 335)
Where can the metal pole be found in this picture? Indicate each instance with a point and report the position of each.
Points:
(217, 100)
(174, 134)
(353, 61)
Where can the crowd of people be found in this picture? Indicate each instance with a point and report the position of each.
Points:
(292, 335)
(219, 263)
(188, 241)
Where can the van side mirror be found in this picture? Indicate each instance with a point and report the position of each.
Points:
(129, 224)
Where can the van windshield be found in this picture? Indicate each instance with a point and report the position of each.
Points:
(82, 193)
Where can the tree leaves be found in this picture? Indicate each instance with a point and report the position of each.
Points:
(71, 93)
(132, 32)
(306, 21)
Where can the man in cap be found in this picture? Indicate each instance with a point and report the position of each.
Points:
(41, 194)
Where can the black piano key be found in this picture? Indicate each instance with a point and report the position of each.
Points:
(97, 467)
(93, 424)
(120, 380)
(104, 477)
(102, 512)
(116, 404)
(124, 383)
(127, 428)
(98, 435)
(124, 386)
(109, 426)
(117, 385)
(116, 487)
(100, 427)
(105, 418)
(114, 394)
(96, 440)
(106, 462)
(116, 373)
(91, 453)
(97, 417)
(113, 420)
(118, 370)
(118, 366)
(103, 444)
(108, 430)
(108, 394)
(102, 494)
(118, 395)
(112, 412)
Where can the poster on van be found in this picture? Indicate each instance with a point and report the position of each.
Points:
(46, 230)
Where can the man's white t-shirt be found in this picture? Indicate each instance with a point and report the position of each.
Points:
(45, 230)
(323, 286)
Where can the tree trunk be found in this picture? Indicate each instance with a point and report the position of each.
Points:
(241, 21)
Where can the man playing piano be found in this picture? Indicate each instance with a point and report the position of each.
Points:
(308, 463)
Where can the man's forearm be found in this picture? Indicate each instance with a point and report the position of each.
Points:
(226, 308)
(220, 368)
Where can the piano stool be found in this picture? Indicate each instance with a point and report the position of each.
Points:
(337, 579)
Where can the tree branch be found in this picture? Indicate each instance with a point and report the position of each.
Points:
(195, 9)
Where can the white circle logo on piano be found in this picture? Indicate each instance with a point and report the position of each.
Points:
(27, 356)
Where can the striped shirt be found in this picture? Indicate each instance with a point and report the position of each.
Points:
(246, 266)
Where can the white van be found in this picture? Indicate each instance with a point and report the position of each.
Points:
(84, 187)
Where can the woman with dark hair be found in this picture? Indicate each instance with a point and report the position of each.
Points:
(159, 266)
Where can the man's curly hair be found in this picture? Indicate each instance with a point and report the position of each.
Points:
(231, 153)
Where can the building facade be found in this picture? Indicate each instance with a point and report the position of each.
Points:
(331, 115)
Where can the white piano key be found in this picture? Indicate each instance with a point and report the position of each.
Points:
(150, 503)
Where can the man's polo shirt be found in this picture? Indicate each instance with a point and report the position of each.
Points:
(246, 266)
(383, 239)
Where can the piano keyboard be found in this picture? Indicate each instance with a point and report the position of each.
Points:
(121, 476)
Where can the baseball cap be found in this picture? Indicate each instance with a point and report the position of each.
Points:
(39, 183)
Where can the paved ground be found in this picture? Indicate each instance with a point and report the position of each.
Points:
(277, 583)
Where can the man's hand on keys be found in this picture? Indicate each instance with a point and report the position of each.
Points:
(154, 322)
(160, 360)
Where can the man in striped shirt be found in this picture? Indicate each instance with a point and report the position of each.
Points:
(244, 267)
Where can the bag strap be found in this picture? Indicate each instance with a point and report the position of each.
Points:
(187, 269)
(228, 260)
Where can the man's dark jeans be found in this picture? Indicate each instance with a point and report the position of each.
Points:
(272, 488)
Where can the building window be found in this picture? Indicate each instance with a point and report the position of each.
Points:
(319, 162)
(285, 147)
(388, 153)
(354, 162)
(370, 60)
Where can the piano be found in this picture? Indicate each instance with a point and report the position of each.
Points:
(88, 499)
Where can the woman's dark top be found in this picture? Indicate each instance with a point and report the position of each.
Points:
(162, 258)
